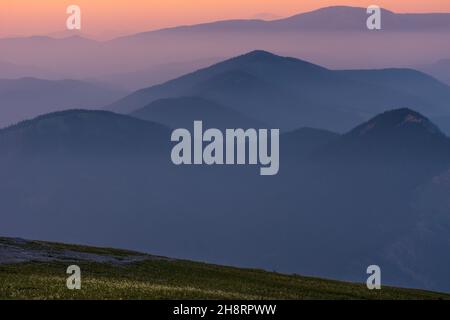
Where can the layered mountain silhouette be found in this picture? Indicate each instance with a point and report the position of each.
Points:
(366, 190)
(83, 132)
(336, 37)
(25, 98)
(376, 194)
(288, 93)
(332, 19)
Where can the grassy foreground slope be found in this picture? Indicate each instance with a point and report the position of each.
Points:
(37, 270)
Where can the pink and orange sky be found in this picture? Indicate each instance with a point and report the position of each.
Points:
(110, 18)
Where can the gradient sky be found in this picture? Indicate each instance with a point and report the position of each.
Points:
(109, 18)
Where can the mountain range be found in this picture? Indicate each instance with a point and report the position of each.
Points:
(335, 37)
(331, 19)
(288, 93)
(107, 179)
(259, 88)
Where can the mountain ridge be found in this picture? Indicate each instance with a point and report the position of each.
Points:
(118, 169)
(289, 93)
(82, 132)
(333, 18)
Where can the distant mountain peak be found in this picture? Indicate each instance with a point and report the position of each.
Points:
(263, 54)
(260, 54)
(394, 120)
(84, 132)
(269, 58)
(345, 9)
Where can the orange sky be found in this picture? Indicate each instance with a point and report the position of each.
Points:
(108, 18)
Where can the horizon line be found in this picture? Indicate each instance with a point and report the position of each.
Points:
(98, 38)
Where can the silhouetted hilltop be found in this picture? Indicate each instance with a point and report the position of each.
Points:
(82, 131)
(289, 93)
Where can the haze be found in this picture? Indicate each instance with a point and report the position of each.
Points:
(103, 19)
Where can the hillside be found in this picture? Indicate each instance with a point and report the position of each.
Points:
(402, 133)
(82, 132)
(36, 270)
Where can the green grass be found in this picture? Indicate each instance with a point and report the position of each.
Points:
(175, 279)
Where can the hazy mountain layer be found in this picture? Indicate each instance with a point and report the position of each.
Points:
(335, 37)
(375, 195)
(288, 93)
(26, 98)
